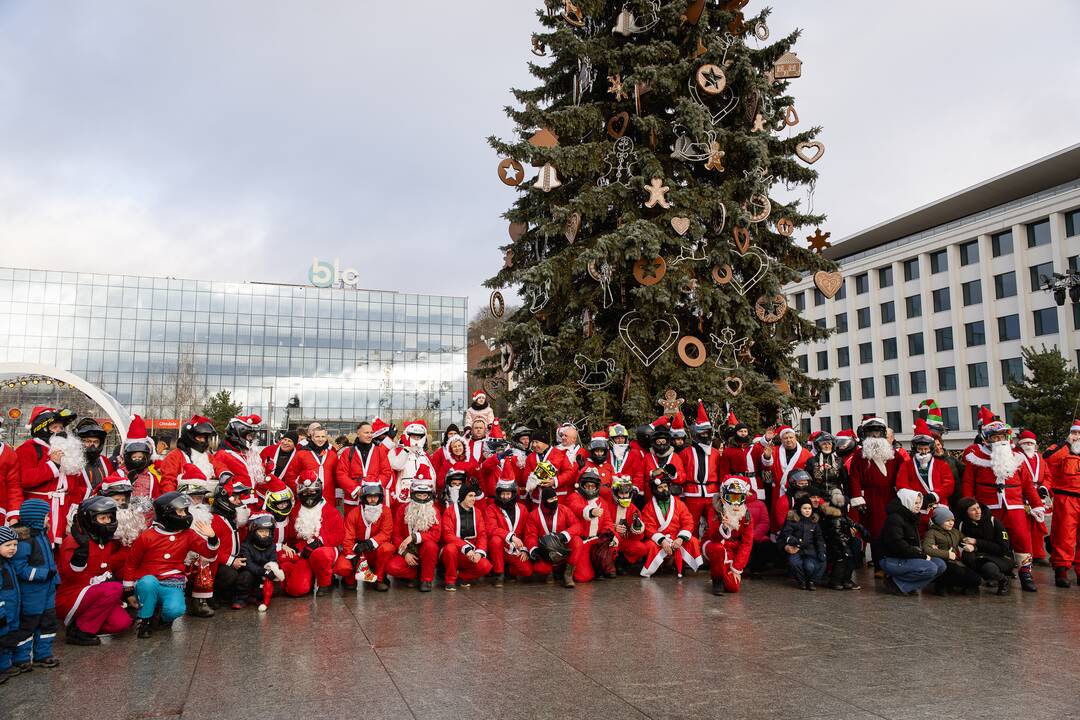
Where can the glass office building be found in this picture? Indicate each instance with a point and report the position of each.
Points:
(295, 353)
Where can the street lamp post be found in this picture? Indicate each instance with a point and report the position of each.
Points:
(270, 413)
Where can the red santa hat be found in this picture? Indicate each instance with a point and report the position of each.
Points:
(137, 439)
(379, 427)
(813, 436)
(496, 431)
(416, 427)
(274, 484)
(848, 432)
(190, 473)
(923, 435)
(237, 486)
(661, 422)
(478, 393)
(678, 425)
(701, 419)
(114, 483)
(783, 429)
(249, 420)
(1075, 426)
(985, 415)
(1027, 435)
(423, 473)
(731, 421)
(37, 411)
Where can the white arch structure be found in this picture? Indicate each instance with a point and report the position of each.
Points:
(112, 407)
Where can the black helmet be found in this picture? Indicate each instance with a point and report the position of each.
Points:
(87, 513)
(239, 428)
(502, 486)
(39, 425)
(845, 445)
(643, 434)
(592, 477)
(167, 508)
(116, 485)
(552, 548)
(823, 438)
(197, 425)
(368, 488)
(310, 492)
(262, 521)
(227, 487)
(871, 425)
(798, 476)
(89, 428)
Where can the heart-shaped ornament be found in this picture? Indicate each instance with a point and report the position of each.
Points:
(742, 239)
(733, 385)
(573, 224)
(743, 285)
(618, 124)
(680, 224)
(665, 331)
(517, 229)
(829, 283)
(803, 148)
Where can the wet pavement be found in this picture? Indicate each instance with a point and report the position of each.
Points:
(628, 648)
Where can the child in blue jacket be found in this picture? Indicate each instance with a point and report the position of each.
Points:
(9, 602)
(38, 578)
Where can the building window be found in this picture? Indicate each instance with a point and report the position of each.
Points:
(1040, 272)
(863, 315)
(846, 423)
(946, 378)
(1005, 285)
(1046, 321)
(843, 358)
(866, 353)
(911, 269)
(913, 306)
(842, 292)
(1008, 328)
(1012, 370)
(1038, 233)
(841, 323)
(975, 415)
(800, 301)
(826, 423)
(1076, 316)
(1002, 243)
(825, 396)
(845, 390)
(884, 276)
(939, 261)
(941, 300)
(804, 427)
(1072, 223)
(892, 385)
(969, 252)
(820, 322)
(823, 360)
(975, 333)
(893, 421)
(915, 344)
(972, 293)
(943, 339)
(918, 382)
(888, 348)
(951, 417)
(978, 375)
(1010, 413)
(888, 312)
(804, 363)
(1074, 263)
(819, 297)
(866, 388)
(862, 284)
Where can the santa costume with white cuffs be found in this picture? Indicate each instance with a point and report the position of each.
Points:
(670, 523)
(873, 470)
(738, 455)
(316, 531)
(464, 531)
(41, 477)
(368, 531)
(406, 460)
(932, 478)
(505, 523)
(233, 453)
(701, 466)
(1040, 476)
(569, 446)
(784, 462)
(651, 461)
(188, 450)
(597, 532)
(730, 537)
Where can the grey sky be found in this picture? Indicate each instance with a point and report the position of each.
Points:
(235, 140)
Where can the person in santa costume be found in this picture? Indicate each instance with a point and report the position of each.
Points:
(563, 472)
(553, 536)
(280, 502)
(46, 461)
(362, 463)
(478, 433)
(154, 572)
(620, 456)
(229, 516)
(137, 464)
(730, 536)
(278, 458)
(599, 459)
(495, 459)
(315, 533)
(193, 483)
(1064, 473)
(660, 460)
(740, 456)
(130, 521)
(409, 460)
(826, 467)
(789, 457)
(11, 491)
(97, 467)
(873, 472)
(1040, 475)
(996, 476)
(383, 433)
(319, 457)
(369, 529)
(520, 447)
(457, 462)
(505, 524)
(417, 531)
(702, 464)
(630, 544)
(238, 452)
(465, 540)
(669, 525)
(597, 528)
(679, 438)
(89, 600)
(569, 442)
(925, 474)
(479, 409)
(192, 448)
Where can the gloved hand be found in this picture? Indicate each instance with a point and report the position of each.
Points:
(306, 552)
(1038, 513)
(930, 498)
(363, 546)
(314, 544)
(79, 535)
(857, 502)
(50, 575)
(534, 555)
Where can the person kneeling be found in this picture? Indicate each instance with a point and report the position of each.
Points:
(597, 530)
(803, 542)
(943, 540)
(313, 538)
(464, 551)
(908, 569)
(730, 535)
(629, 527)
(369, 528)
(417, 530)
(260, 568)
(985, 543)
(553, 536)
(506, 521)
(669, 524)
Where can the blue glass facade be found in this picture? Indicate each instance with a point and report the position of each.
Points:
(154, 343)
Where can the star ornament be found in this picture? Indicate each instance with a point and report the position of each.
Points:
(657, 194)
(819, 241)
(711, 79)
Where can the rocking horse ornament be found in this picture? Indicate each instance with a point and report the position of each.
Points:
(595, 374)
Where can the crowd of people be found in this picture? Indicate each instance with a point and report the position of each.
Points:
(98, 543)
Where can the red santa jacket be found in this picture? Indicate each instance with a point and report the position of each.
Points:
(1063, 468)
(503, 528)
(564, 480)
(39, 475)
(323, 464)
(270, 456)
(461, 463)
(625, 466)
(455, 538)
(590, 527)
(11, 492)
(741, 461)
(352, 469)
(981, 483)
(227, 459)
(229, 538)
(867, 479)
(677, 522)
(105, 562)
(650, 462)
(939, 480)
(702, 468)
(783, 464)
(161, 553)
(543, 522)
(357, 529)
(402, 530)
(625, 515)
(738, 542)
(491, 470)
(330, 533)
(169, 467)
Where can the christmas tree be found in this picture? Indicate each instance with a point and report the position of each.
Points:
(1048, 396)
(648, 250)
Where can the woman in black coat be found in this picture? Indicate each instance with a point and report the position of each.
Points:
(985, 543)
(907, 568)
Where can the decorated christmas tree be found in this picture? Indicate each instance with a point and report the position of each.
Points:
(647, 245)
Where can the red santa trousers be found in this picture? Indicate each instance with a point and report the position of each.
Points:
(1063, 531)
(299, 572)
(429, 557)
(599, 558)
(501, 563)
(720, 566)
(1016, 524)
(458, 567)
(698, 507)
(101, 611)
(577, 557)
(377, 561)
(690, 552)
(632, 549)
(1038, 533)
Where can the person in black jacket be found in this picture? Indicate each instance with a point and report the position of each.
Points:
(802, 540)
(985, 543)
(907, 568)
(261, 568)
(843, 542)
(826, 468)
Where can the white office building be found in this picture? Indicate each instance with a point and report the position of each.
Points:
(937, 303)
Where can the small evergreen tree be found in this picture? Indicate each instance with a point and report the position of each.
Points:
(220, 408)
(1048, 396)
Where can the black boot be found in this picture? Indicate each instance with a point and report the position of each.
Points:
(381, 586)
(1026, 583)
(1061, 577)
(568, 576)
(939, 588)
(75, 636)
(425, 586)
(1003, 585)
(199, 607)
(717, 587)
(497, 580)
(146, 629)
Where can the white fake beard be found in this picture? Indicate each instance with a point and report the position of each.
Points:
(308, 522)
(619, 451)
(200, 513)
(923, 460)
(1028, 450)
(877, 449)
(419, 516)
(453, 493)
(1075, 447)
(243, 514)
(74, 459)
(202, 461)
(1003, 460)
(371, 514)
(129, 525)
(733, 514)
(254, 465)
